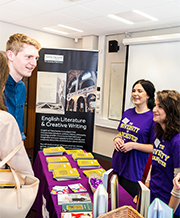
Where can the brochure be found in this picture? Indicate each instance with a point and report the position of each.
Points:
(54, 151)
(73, 198)
(78, 187)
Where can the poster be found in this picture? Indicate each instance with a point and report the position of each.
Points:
(65, 98)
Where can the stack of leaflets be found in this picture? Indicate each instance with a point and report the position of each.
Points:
(77, 215)
(73, 198)
(54, 151)
(87, 156)
(66, 174)
(79, 207)
(60, 159)
(88, 164)
(58, 166)
(74, 151)
(77, 187)
(95, 171)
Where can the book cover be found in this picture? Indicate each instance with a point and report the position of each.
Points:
(84, 155)
(78, 187)
(58, 166)
(59, 190)
(74, 151)
(88, 163)
(54, 150)
(60, 159)
(66, 173)
(73, 198)
(94, 171)
(114, 192)
(77, 215)
(100, 201)
(143, 199)
(106, 180)
(158, 209)
(77, 207)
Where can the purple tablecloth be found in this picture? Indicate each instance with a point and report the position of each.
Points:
(48, 201)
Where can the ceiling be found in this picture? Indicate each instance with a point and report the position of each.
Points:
(90, 16)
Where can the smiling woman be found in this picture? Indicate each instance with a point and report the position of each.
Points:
(133, 142)
(159, 114)
(166, 154)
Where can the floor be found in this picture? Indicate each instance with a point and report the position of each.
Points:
(106, 164)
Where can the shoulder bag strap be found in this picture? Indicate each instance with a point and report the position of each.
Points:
(4, 161)
(19, 198)
(11, 154)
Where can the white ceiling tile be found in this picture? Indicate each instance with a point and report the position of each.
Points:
(83, 25)
(54, 18)
(23, 8)
(9, 16)
(48, 4)
(105, 22)
(78, 12)
(148, 26)
(106, 7)
(176, 1)
(138, 4)
(5, 1)
(133, 17)
(174, 21)
(163, 11)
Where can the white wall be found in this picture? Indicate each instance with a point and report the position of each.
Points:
(103, 137)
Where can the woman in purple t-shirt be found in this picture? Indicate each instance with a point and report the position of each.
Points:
(135, 138)
(166, 152)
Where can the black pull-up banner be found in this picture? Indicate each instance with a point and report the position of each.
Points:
(65, 99)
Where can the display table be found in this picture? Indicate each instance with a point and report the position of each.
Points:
(46, 203)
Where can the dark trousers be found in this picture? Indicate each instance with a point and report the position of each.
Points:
(129, 186)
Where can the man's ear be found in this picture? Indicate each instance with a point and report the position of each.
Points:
(10, 54)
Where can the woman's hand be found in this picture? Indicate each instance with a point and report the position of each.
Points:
(127, 147)
(118, 143)
(135, 199)
(176, 182)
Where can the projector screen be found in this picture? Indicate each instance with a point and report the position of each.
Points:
(157, 62)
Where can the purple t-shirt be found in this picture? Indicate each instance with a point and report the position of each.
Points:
(137, 128)
(166, 157)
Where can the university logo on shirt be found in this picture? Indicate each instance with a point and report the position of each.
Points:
(158, 154)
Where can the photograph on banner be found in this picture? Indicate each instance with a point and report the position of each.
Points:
(81, 88)
(51, 92)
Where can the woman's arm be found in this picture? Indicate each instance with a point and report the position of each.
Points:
(147, 148)
(175, 193)
(147, 182)
(174, 202)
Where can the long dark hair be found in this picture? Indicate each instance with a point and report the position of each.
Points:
(169, 100)
(150, 90)
(4, 72)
